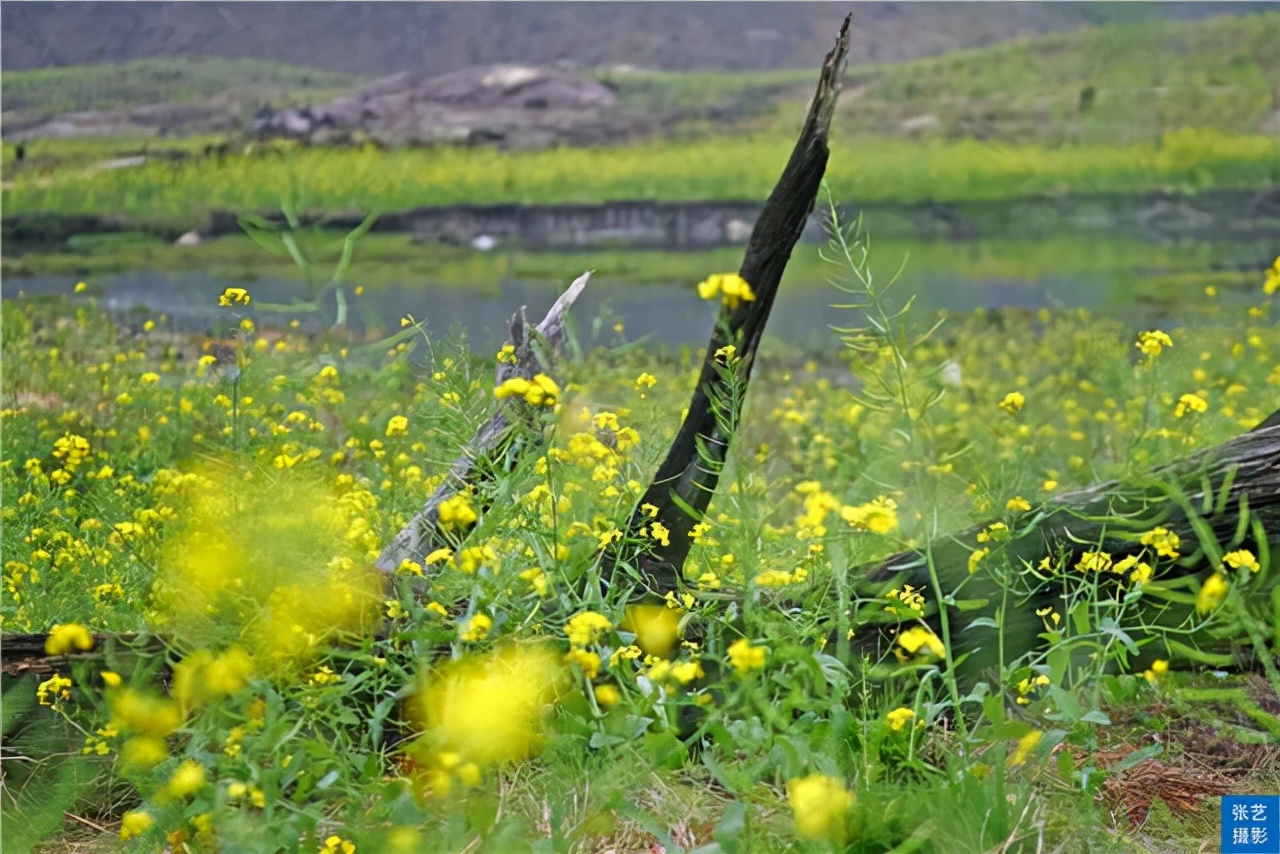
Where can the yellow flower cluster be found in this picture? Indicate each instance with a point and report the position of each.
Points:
(68, 637)
(1190, 403)
(540, 391)
(1013, 402)
(457, 513)
(899, 718)
(1271, 284)
(234, 296)
(730, 287)
(917, 639)
(911, 601)
(746, 658)
(1152, 343)
(205, 675)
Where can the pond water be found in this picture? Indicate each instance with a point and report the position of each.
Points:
(671, 314)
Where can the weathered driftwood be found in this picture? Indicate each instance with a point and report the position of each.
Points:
(1233, 488)
(687, 479)
(487, 452)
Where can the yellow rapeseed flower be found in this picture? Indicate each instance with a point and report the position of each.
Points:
(489, 710)
(398, 425)
(921, 637)
(234, 296)
(188, 779)
(586, 627)
(66, 638)
(1270, 284)
(820, 806)
(656, 627)
(477, 627)
(899, 718)
(1013, 402)
(1241, 559)
(455, 512)
(745, 658)
(732, 288)
(1190, 403)
(1152, 343)
(135, 823)
(335, 844)
(1212, 592)
(1164, 541)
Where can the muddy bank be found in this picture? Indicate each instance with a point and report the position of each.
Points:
(1212, 215)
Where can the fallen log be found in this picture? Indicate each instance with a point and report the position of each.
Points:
(1218, 500)
(684, 484)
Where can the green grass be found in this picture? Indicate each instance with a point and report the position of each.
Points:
(1148, 79)
(866, 170)
(1177, 106)
(185, 80)
(302, 467)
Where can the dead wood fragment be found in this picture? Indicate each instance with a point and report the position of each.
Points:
(685, 482)
(487, 452)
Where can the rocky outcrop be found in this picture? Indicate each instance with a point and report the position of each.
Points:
(512, 106)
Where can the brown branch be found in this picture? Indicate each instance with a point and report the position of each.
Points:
(487, 450)
(685, 482)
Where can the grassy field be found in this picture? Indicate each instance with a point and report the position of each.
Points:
(735, 168)
(1146, 80)
(520, 706)
(46, 92)
(1174, 106)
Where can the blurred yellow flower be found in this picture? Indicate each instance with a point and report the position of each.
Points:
(66, 638)
(337, 845)
(1026, 745)
(607, 696)
(477, 627)
(135, 823)
(1190, 403)
(746, 658)
(656, 627)
(920, 637)
(820, 806)
(1158, 669)
(489, 710)
(398, 425)
(188, 779)
(732, 288)
(1212, 592)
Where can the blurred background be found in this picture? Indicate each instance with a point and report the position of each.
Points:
(1115, 156)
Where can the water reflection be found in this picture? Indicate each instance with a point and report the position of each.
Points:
(669, 313)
